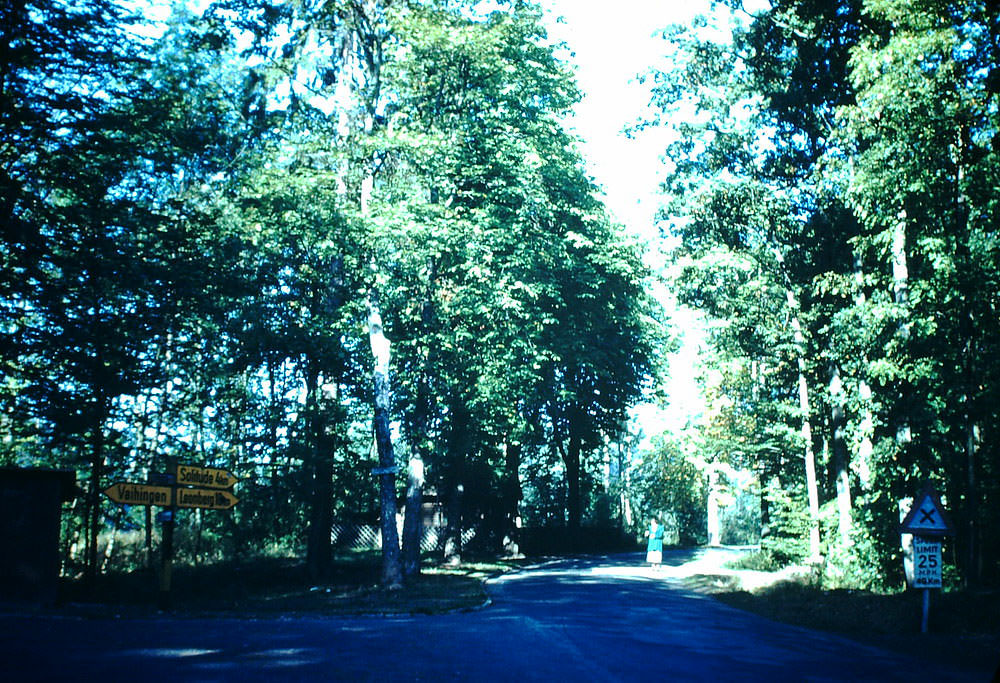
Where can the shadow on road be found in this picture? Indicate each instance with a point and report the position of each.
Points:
(699, 560)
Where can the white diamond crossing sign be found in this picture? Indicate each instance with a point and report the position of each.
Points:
(927, 517)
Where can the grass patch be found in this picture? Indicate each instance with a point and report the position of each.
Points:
(964, 630)
(865, 612)
(759, 561)
(270, 587)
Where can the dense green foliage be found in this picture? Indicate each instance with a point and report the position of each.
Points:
(833, 189)
(198, 225)
(209, 224)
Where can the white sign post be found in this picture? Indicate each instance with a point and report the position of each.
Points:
(928, 522)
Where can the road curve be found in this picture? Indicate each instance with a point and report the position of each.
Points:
(594, 619)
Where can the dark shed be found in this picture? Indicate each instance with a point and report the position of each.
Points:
(30, 519)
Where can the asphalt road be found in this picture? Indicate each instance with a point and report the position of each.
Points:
(599, 619)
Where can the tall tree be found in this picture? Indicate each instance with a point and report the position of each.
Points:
(922, 128)
(76, 299)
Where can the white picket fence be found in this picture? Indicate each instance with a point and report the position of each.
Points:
(368, 536)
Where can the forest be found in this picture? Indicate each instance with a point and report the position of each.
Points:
(349, 251)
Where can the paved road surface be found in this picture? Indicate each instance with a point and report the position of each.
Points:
(600, 619)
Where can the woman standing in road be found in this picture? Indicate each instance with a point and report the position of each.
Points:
(654, 546)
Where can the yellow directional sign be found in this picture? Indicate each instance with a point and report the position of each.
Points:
(212, 477)
(131, 493)
(207, 499)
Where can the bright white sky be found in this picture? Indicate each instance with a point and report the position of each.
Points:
(613, 44)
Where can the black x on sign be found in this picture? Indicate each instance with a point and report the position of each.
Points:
(927, 517)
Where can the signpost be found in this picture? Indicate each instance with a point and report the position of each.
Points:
(928, 522)
(926, 562)
(927, 516)
(212, 477)
(188, 486)
(179, 490)
(129, 493)
(206, 499)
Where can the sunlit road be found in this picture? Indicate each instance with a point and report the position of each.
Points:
(601, 619)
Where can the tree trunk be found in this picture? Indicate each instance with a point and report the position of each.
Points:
(392, 572)
(369, 36)
(413, 521)
(712, 514)
(810, 461)
(838, 444)
(809, 455)
(319, 551)
(109, 550)
(511, 533)
(900, 290)
(322, 403)
(453, 529)
(199, 525)
(974, 553)
(900, 269)
(624, 504)
(765, 508)
(866, 427)
(572, 460)
(454, 476)
(318, 543)
(96, 473)
(971, 359)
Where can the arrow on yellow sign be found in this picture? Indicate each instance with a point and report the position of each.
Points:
(131, 493)
(212, 477)
(206, 499)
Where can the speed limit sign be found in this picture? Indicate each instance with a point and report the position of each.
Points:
(926, 562)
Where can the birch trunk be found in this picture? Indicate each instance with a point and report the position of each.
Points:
(413, 523)
(838, 444)
(867, 424)
(392, 573)
(809, 454)
(900, 291)
(360, 54)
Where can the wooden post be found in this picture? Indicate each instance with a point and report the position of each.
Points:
(167, 544)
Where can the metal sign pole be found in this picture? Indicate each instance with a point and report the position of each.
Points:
(928, 522)
(166, 558)
(927, 609)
